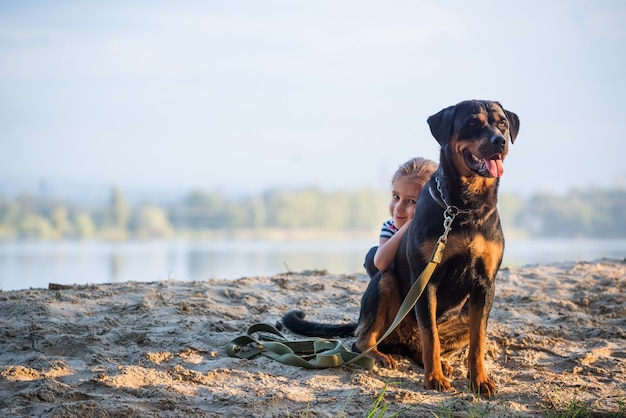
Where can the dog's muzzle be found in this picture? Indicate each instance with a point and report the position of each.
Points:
(484, 167)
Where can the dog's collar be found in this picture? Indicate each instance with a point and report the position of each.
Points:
(436, 198)
(441, 200)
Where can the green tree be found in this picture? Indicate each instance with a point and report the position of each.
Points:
(120, 211)
(203, 211)
(257, 213)
(34, 226)
(60, 221)
(368, 209)
(116, 217)
(84, 226)
(511, 208)
(151, 222)
(9, 215)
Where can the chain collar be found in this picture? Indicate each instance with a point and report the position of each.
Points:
(449, 207)
(449, 213)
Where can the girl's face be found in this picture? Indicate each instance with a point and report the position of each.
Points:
(403, 198)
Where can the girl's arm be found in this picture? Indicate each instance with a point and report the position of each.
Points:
(388, 248)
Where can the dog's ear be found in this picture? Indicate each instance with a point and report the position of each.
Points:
(441, 124)
(513, 124)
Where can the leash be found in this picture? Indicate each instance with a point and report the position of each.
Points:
(324, 353)
(332, 353)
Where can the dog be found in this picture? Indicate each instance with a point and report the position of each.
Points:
(453, 310)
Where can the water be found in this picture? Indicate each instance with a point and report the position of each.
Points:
(36, 264)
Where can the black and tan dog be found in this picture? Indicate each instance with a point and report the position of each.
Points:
(455, 305)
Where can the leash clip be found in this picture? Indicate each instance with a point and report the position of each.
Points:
(448, 217)
(450, 209)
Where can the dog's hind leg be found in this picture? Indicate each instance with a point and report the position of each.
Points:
(453, 336)
(379, 306)
(453, 331)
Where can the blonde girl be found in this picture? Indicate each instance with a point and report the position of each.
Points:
(406, 184)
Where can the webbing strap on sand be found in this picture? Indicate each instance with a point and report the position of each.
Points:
(312, 353)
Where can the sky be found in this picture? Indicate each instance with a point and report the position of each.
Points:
(246, 96)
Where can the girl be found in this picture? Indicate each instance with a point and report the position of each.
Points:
(406, 184)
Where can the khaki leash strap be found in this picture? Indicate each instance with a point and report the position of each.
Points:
(315, 353)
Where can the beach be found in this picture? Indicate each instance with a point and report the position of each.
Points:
(556, 345)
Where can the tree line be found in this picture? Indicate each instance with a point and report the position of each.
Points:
(590, 214)
(199, 214)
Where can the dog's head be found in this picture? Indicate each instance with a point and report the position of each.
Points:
(474, 134)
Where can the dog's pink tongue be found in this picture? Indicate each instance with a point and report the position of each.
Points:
(495, 167)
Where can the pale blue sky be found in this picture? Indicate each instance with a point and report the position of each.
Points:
(243, 96)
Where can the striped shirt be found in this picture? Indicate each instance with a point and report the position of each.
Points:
(388, 230)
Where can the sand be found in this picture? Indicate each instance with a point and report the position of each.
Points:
(556, 345)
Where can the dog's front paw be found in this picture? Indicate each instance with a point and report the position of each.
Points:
(484, 387)
(385, 360)
(436, 381)
(382, 359)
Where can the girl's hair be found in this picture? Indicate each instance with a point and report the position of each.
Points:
(417, 170)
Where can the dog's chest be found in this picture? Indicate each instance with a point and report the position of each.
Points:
(476, 250)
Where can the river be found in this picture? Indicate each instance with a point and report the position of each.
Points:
(26, 264)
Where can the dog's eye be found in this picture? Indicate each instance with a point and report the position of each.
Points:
(503, 125)
(474, 123)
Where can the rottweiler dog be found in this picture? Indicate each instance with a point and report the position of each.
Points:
(453, 310)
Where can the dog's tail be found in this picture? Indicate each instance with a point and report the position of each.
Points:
(294, 320)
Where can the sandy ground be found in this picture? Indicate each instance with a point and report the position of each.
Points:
(556, 347)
